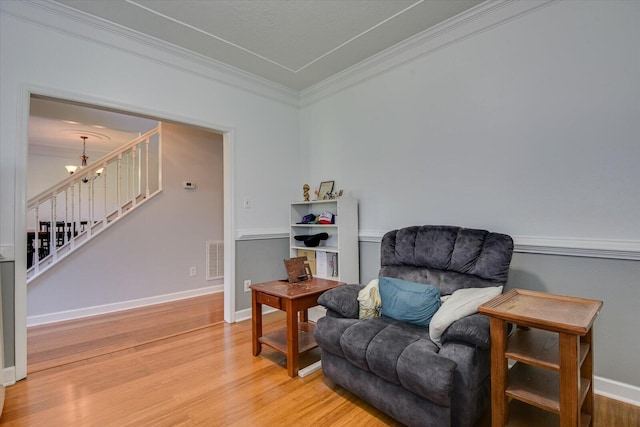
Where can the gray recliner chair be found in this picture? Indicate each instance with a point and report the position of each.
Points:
(394, 365)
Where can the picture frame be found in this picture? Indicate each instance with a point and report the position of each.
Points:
(298, 269)
(326, 187)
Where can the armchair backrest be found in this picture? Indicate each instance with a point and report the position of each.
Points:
(449, 257)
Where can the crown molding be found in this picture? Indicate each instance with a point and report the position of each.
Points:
(485, 16)
(63, 19)
(56, 16)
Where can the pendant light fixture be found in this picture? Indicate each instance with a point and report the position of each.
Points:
(83, 161)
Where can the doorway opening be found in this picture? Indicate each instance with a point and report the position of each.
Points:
(158, 253)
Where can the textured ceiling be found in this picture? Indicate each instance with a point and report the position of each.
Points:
(296, 43)
(55, 128)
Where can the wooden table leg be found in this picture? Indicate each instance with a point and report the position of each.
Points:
(569, 380)
(499, 368)
(586, 371)
(256, 319)
(292, 338)
(304, 315)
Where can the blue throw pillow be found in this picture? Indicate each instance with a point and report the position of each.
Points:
(408, 301)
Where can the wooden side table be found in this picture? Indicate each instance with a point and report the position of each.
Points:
(553, 348)
(293, 298)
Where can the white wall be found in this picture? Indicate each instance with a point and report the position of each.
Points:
(45, 170)
(530, 128)
(49, 50)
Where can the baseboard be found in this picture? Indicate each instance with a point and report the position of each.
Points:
(245, 314)
(61, 316)
(314, 313)
(616, 390)
(8, 376)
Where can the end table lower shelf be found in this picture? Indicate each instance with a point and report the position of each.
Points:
(295, 299)
(524, 415)
(278, 339)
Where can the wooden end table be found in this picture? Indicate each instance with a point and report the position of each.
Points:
(553, 348)
(293, 298)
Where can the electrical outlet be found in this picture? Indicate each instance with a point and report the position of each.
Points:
(192, 272)
(247, 283)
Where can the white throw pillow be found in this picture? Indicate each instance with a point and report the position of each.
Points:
(461, 303)
(369, 301)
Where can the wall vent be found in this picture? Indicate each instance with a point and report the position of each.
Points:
(215, 259)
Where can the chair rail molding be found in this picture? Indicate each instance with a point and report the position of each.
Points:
(576, 247)
(579, 247)
(262, 233)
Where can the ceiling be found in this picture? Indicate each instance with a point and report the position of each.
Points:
(295, 43)
(55, 128)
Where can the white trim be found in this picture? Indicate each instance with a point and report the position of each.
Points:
(308, 370)
(20, 251)
(262, 234)
(7, 253)
(228, 154)
(245, 314)
(616, 390)
(20, 224)
(372, 236)
(8, 376)
(119, 306)
(576, 247)
(469, 23)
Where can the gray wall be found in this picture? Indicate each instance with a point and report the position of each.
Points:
(615, 282)
(8, 312)
(258, 261)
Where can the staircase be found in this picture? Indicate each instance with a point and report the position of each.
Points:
(61, 219)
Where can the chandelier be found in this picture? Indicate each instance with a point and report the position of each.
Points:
(83, 161)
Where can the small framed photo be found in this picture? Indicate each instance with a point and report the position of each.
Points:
(326, 187)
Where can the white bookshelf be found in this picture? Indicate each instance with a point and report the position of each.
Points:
(343, 235)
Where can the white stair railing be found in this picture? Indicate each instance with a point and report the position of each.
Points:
(70, 213)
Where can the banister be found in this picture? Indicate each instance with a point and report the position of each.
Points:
(88, 171)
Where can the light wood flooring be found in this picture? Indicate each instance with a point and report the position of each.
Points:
(205, 376)
(74, 341)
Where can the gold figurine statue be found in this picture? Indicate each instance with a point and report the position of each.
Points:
(305, 192)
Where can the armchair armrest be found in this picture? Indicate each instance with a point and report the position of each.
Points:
(473, 330)
(342, 300)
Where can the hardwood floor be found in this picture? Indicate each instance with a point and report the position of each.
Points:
(206, 376)
(77, 340)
